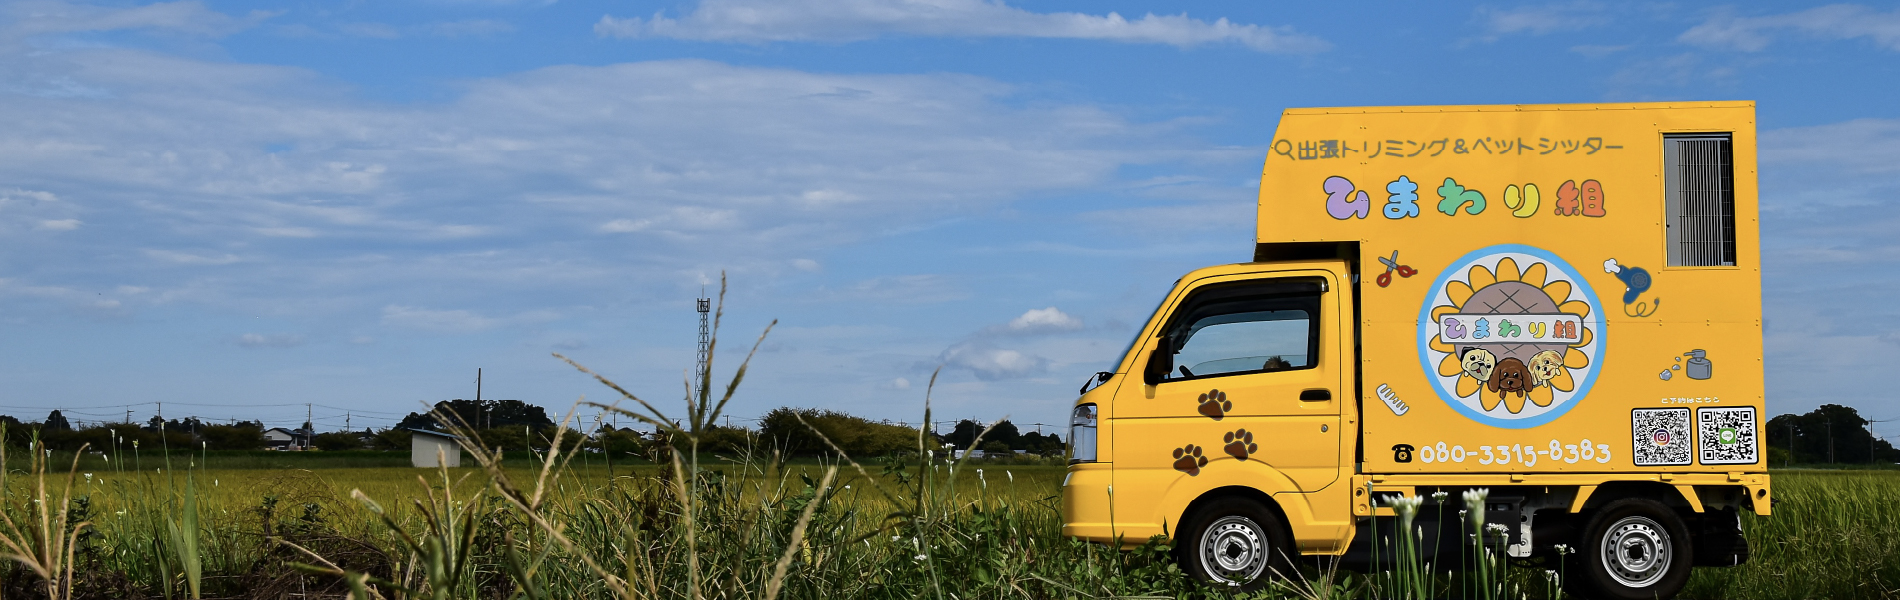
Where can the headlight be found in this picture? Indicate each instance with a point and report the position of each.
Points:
(1082, 434)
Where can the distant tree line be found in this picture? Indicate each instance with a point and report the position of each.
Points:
(516, 425)
(1829, 434)
(190, 433)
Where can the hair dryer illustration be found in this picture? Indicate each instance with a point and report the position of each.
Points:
(1635, 282)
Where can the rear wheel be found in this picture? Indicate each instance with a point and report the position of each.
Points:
(1234, 542)
(1633, 549)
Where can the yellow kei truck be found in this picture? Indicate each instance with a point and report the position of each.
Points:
(1560, 304)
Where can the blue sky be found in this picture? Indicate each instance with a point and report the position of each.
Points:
(237, 208)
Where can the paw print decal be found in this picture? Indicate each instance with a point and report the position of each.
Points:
(1188, 459)
(1240, 444)
(1214, 404)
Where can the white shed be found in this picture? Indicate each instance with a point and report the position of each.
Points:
(426, 446)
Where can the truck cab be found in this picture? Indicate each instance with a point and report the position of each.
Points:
(1429, 313)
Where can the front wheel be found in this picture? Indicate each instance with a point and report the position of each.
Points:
(1633, 549)
(1234, 542)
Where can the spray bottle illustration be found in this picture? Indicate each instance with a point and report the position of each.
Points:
(1635, 282)
(1699, 366)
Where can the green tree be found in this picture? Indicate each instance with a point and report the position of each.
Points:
(391, 439)
(337, 440)
(481, 415)
(857, 436)
(1831, 433)
(242, 436)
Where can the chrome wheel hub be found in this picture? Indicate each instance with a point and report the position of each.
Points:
(1636, 551)
(1234, 550)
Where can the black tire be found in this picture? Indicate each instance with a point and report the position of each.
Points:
(1236, 543)
(1632, 549)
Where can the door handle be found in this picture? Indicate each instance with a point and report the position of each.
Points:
(1316, 395)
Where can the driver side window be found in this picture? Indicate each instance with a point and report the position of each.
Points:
(1246, 327)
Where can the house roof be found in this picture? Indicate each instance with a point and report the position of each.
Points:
(433, 433)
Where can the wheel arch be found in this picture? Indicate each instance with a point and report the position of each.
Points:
(1253, 480)
(1233, 491)
(1675, 497)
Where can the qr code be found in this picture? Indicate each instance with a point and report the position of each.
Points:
(1660, 436)
(1726, 435)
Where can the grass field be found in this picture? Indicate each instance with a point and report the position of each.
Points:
(364, 525)
(890, 531)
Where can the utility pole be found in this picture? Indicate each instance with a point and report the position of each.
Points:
(485, 416)
(1871, 439)
(1790, 459)
(704, 306)
(1830, 441)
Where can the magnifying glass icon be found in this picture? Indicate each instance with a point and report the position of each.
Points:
(1286, 151)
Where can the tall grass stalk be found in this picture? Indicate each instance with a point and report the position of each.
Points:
(40, 539)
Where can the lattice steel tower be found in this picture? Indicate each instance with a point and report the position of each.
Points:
(705, 344)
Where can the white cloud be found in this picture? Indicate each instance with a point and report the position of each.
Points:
(35, 17)
(1862, 145)
(1831, 22)
(992, 364)
(807, 265)
(1543, 19)
(898, 289)
(439, 321)
(1043, 320)
(845, 20)
(187, 258)
(469, 28)
(685, 166)
(36, 209)
(382, 31)
(274, 340)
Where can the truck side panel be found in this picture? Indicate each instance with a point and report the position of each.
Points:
(1523, 309)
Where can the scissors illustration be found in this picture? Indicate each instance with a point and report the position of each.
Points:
(1392, 264)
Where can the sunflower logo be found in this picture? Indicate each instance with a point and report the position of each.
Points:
(1511, 335)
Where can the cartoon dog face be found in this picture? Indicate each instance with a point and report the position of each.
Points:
(1478, 363)
(1511, 376)
(1544, 367)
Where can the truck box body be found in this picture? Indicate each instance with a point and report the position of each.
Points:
(1534, 240)
(1559, 305)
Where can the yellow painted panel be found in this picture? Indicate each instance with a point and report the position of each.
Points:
(1449, 190)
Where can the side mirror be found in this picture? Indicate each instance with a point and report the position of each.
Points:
(1160, 361)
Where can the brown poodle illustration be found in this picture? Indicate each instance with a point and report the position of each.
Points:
(1511, 376)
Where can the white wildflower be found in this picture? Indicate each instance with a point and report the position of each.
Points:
(1405, 505)
(1474, 498)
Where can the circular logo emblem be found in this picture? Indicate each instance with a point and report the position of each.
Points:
(1511, 336)
(1661, 437)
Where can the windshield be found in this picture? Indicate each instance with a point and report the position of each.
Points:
(1135, 338)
